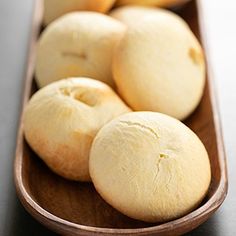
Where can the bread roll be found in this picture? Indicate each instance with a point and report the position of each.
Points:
(62, 119)
(78, 44)
(159, 65)
(130, 14)
(149, 166)
(158, 3)
(56, 8)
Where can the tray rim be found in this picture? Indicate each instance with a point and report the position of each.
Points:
(197, 216)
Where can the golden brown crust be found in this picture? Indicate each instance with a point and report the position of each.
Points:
(158, 3)
(57, 8)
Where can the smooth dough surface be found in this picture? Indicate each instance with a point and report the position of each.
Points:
(159, 64)
(158, 3)
(78, 44)
(130, 14)
(149, 166)
(61, 120)
(56, 8)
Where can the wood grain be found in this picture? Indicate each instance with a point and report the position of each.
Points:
(73, 208)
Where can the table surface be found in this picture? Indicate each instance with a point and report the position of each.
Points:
(15, 20)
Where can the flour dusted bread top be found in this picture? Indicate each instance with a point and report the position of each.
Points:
(62, 119)
(149, 166)
(78, 44)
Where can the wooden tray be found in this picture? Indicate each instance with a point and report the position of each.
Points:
(72, 208)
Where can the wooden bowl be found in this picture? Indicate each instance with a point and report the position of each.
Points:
(73, 208)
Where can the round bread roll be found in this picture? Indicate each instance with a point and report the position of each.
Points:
(130, 14)
(158, 3)
(78, 44)
(159, 66)
(56, 8)
(149, 166)
(62, 119)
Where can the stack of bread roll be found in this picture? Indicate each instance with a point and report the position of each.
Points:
(113, 90)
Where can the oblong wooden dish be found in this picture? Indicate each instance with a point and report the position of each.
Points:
(72, 208)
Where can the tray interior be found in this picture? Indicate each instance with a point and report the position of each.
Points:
(79, 202)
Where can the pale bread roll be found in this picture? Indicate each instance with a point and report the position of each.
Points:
(130, 14)
(159, 65)
(158, 3)
(78, 44)
(56, 8)
(149, 166)
(62, 119)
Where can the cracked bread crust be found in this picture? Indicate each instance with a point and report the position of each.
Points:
(149, 166)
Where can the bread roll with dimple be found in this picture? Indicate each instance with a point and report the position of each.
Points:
(158, 3)
(78, 44)
(149, 166)
(61, 120)
(159, 65)
(56, 8)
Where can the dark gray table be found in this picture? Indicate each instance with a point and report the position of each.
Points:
(15, 19)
